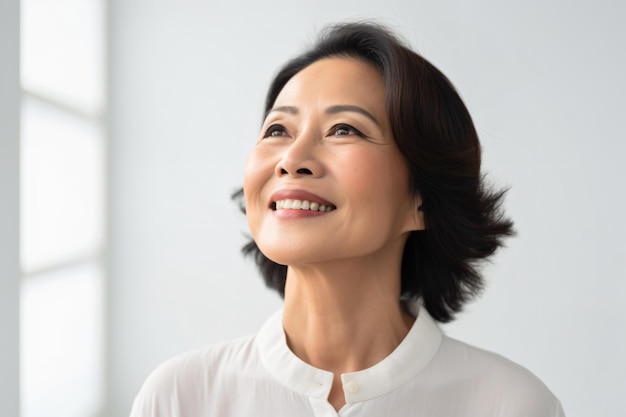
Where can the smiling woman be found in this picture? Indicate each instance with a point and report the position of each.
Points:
(368, 212)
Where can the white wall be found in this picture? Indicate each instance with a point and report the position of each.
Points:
(544, 82)
(9, 207)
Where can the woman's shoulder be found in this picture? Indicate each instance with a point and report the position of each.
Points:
(209, 360)
(495, 379)
(482, 363)
(187, 380)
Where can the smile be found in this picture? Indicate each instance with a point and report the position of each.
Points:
(289, 204)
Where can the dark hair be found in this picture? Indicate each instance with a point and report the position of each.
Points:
(434, 132)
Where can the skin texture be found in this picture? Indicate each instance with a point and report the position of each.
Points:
(329, 134)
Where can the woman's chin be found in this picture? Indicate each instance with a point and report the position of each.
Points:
(294, 255)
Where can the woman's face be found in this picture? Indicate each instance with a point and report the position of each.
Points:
(325, 181)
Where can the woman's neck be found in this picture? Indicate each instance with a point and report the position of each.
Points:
(343, 318)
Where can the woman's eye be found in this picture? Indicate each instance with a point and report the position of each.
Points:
(345, 130)
(275, 131)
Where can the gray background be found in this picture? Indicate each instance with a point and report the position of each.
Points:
(9, 209)
(543, 81)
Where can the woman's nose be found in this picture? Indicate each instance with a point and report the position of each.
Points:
(300, 158)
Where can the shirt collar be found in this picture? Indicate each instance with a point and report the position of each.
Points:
(414, 352)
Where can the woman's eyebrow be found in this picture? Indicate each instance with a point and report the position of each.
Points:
(347, 107)
(339, 108)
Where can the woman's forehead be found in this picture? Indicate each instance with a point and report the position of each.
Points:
(333, 81)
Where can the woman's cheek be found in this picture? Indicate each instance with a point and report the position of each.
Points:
(258, 172)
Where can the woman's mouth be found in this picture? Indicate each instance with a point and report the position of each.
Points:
(293, 204)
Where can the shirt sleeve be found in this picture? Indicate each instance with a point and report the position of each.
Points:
(559, 410)
(151, 402)
(159, 395)
(146, 405)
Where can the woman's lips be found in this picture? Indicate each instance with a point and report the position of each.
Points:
(300, 200)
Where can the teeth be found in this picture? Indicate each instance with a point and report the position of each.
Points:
(288, 204)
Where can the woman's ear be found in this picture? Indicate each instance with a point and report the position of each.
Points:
(415, 220)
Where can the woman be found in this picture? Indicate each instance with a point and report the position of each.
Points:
(368, 212)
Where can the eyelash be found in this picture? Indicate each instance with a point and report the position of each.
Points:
(350, 129)
(274, 128)
(271, 129)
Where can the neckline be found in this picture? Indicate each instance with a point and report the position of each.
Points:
(415, 351)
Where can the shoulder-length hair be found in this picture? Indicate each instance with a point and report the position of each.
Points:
(434, 132)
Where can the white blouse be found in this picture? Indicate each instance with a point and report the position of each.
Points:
(428, 374)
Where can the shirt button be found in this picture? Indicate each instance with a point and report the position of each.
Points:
(352, 387)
